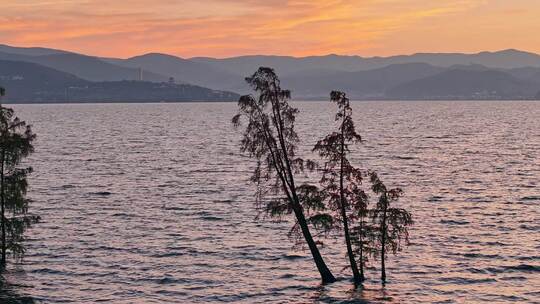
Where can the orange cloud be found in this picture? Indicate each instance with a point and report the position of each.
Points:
(284, 27)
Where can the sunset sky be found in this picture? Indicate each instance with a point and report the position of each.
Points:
(224, 28)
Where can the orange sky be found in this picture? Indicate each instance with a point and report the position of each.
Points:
(223, 28)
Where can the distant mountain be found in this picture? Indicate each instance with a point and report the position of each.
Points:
(507, 74)
(29, 51)
(86, 67)
(526, 73)
(144, 91)
(418, 81)
(359, 85)
(471, 67)
(466, 84)
(94, 69)
(365, 78)
(285, 65)
(14, 57)
(184, 71)
(505, 59)
(27, 82)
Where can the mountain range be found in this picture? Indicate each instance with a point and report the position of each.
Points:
(507, 74)
(28, 82)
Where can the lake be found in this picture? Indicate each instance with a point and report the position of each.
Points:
(151, 203)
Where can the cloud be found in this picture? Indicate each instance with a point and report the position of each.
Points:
(219, 27)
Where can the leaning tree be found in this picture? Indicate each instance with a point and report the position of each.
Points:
(269, 136)
(16, 139)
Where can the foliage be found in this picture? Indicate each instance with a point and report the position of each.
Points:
(16, 139)
(269, 136)
(370, 231)
(393, 223)
(342, 181)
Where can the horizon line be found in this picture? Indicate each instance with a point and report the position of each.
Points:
(275, 55)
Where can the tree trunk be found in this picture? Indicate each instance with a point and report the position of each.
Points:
(2, 202)
(383, 243)
(362, 277)
(354, 267)
(324, 271)
(383, 269)
(326, 274)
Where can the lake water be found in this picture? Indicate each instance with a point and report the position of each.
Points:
(150, 203)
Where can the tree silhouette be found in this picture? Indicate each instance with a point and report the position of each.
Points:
(393, 223)
(341, 180)
(270, 138)
(363, 234)
(15, 144)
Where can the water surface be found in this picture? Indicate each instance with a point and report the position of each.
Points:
(150, 203)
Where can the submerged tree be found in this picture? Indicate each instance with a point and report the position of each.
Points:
(363, 234)
(269, 137)
(393, 223)
(15, 144)
(341, 180)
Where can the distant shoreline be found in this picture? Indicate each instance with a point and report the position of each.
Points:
(234, 101)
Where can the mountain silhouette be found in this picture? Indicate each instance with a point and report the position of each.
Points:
(285, 65)
(466, 84)
(30, 51)
(27, 82)
(507, 74)
(86, 67)
(361, 84)
(184, 71)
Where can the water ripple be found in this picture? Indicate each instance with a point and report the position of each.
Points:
(151, 203)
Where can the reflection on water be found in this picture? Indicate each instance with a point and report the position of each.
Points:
(148, 203)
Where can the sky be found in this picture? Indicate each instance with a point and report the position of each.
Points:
(226, 28)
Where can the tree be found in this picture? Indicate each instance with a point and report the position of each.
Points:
(15, 144)
(270, 138)
(363, 234)
(341, 180)
(393, 223)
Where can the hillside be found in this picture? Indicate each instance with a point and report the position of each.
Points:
(182, 70)
(30, 83)
(507, 74)
(86, 67)
(466, 84)
(285, 65)
(29, 51)
(359, 85)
